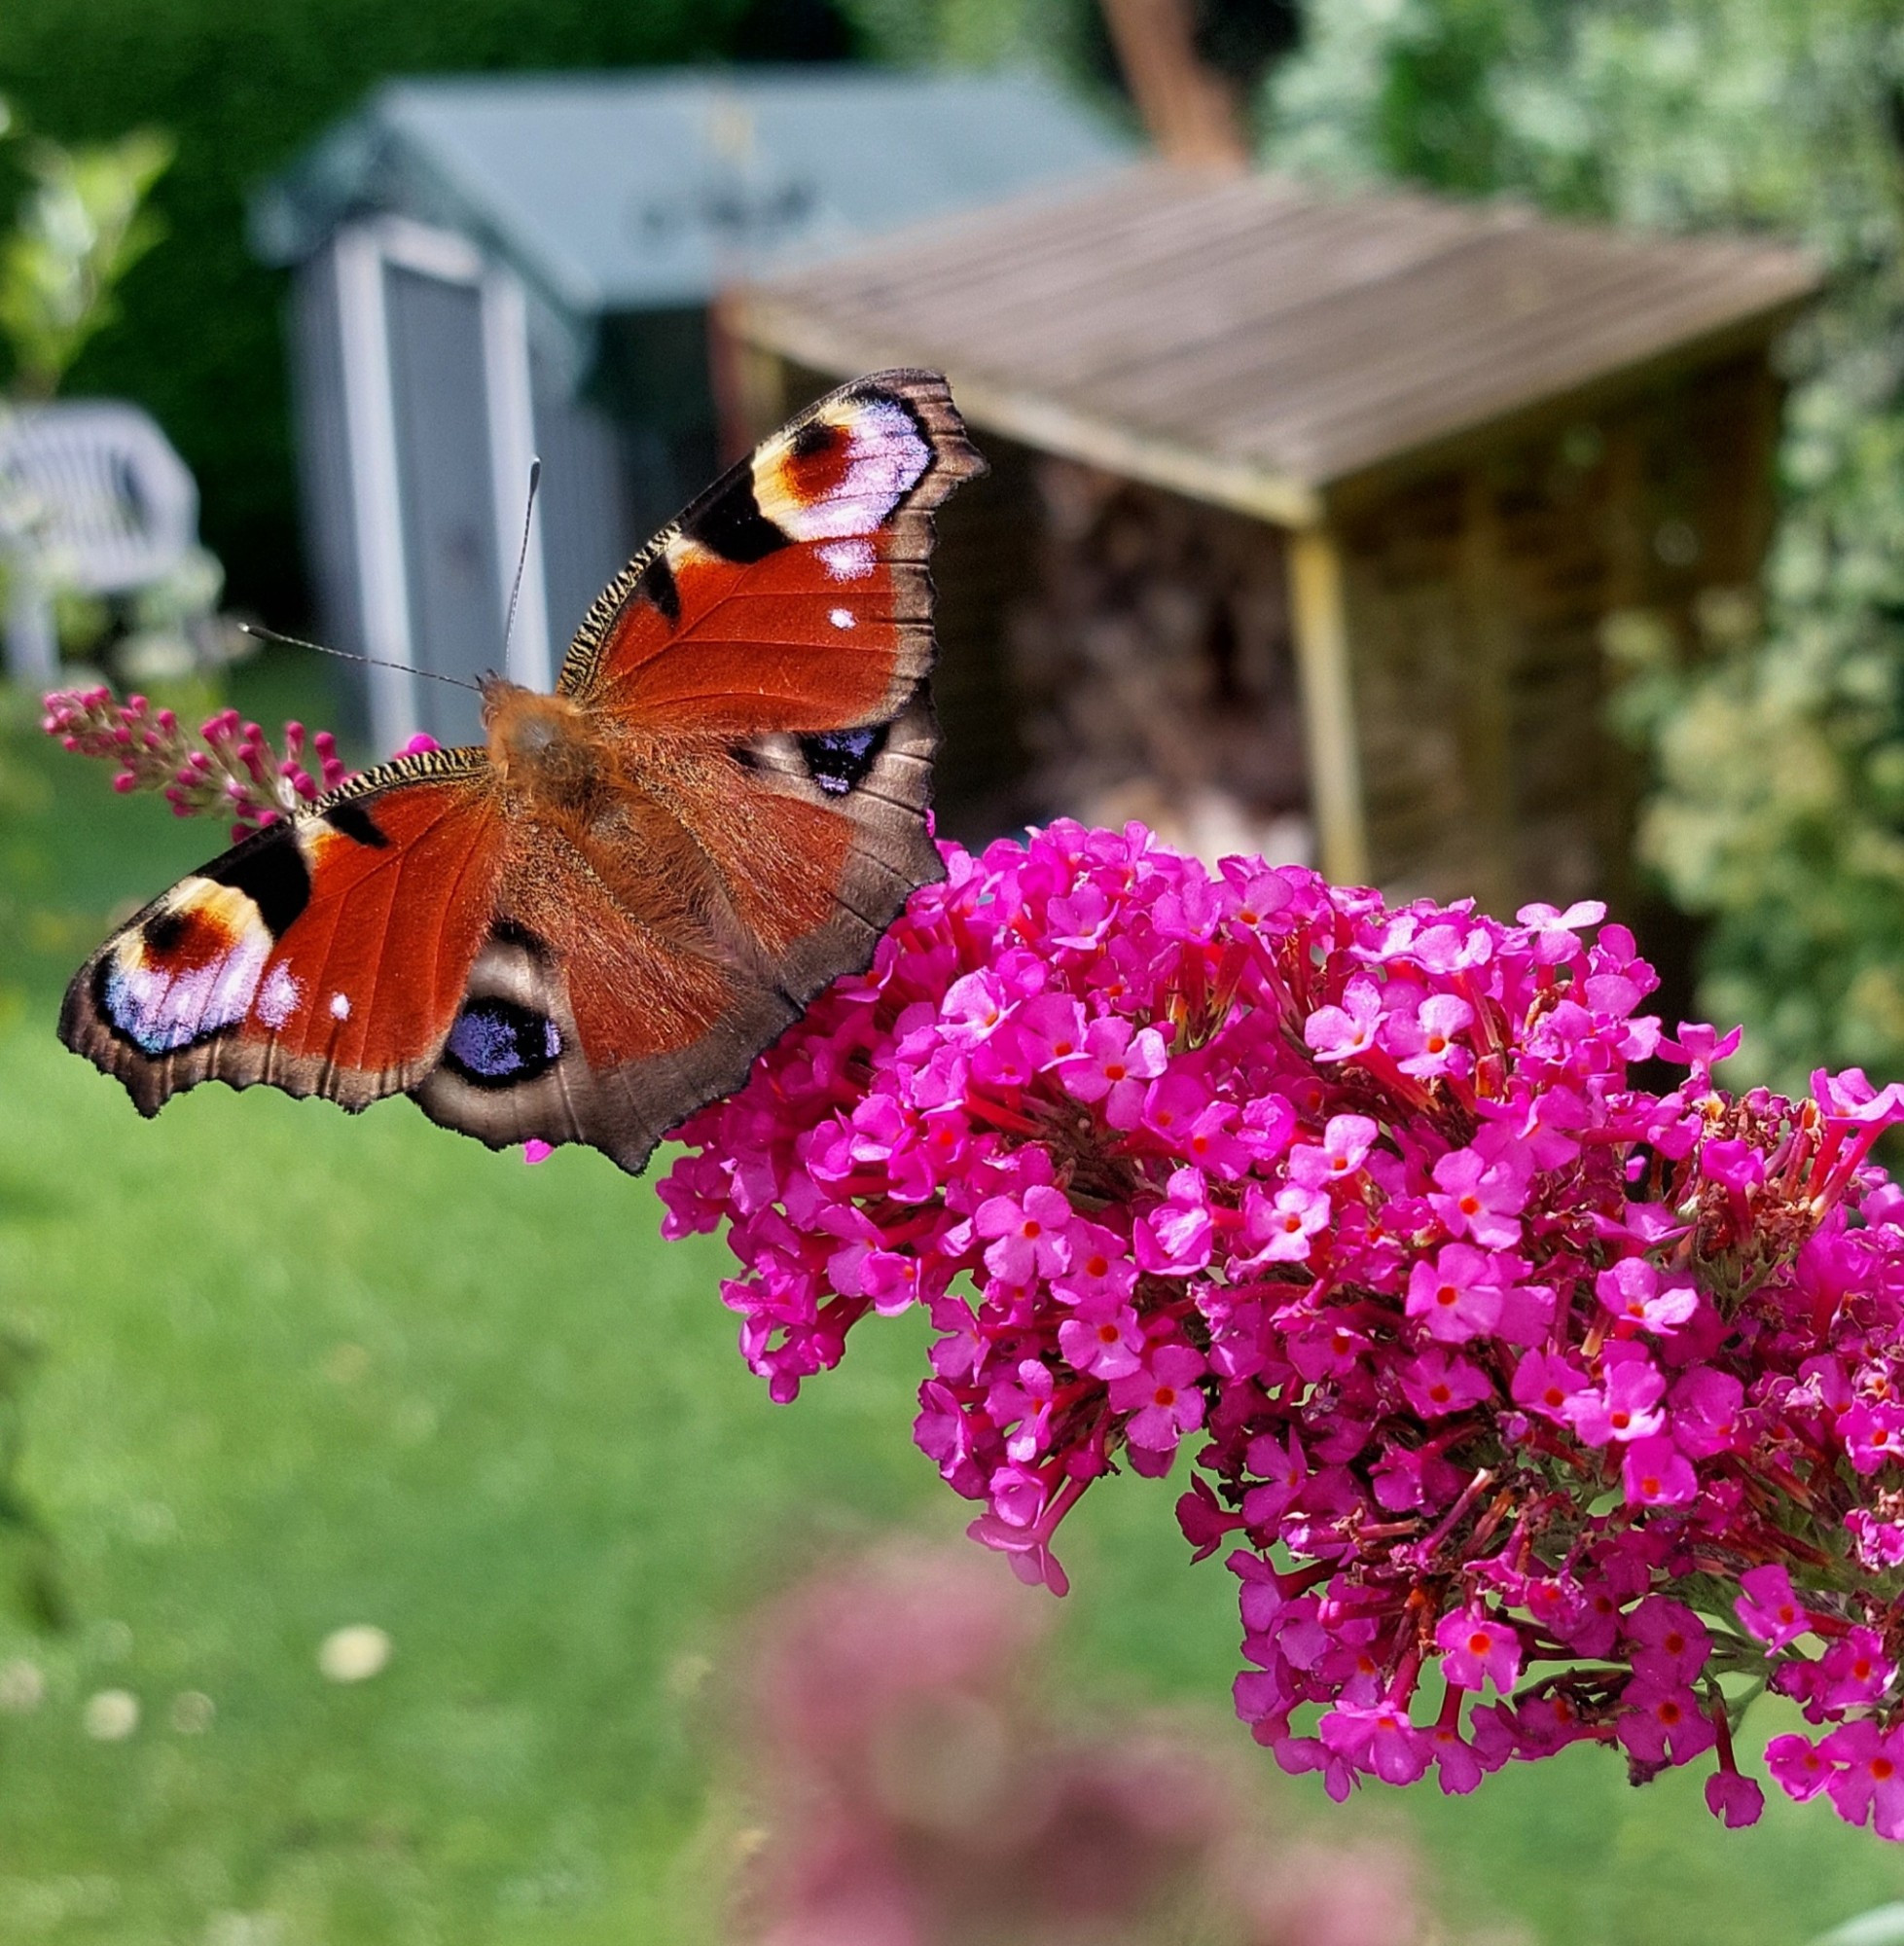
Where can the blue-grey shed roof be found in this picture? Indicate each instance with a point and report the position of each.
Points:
(632, 191)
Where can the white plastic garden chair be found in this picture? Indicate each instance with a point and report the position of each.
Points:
(92, 497)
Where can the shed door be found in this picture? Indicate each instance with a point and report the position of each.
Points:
(324, 481)
(443, 440)
(587, 529)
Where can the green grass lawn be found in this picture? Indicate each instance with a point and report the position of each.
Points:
(301, 1371)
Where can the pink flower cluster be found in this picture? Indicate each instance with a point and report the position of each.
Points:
(913, 1794)
(228, 767)
(1540, 1406)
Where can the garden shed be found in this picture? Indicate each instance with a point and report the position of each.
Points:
(1309, 512)
(488, 269)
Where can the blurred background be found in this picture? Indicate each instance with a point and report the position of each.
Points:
(1459, 443)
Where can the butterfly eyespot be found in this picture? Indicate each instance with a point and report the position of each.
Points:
(495, 1043)
(187, 973)
(164, 932)
(816, 438)
(839, 760)
(732, 525)
(507, 932)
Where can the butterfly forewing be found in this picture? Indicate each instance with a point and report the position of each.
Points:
(325, 955)
(792, 596)
(788, 614)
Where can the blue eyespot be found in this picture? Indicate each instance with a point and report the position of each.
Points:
(838, 760)
(495, 1043)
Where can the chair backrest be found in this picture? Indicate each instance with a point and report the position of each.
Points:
(92, 496)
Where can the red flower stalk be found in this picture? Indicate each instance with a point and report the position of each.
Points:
(226, 766)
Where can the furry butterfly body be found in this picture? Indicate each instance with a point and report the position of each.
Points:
(586, 928)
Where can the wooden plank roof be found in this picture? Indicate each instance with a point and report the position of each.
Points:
(1258, 343)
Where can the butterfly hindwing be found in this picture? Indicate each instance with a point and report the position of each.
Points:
(325, 955)
(544, 1048)
(823, 847)
(623, 985)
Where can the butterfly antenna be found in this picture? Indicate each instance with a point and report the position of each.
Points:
(522, 555)
(345, 656)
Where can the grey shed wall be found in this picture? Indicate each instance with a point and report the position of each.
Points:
(324, 475)
(450, 542)
(586, 523)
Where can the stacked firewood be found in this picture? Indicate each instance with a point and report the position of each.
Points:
(1154, 666)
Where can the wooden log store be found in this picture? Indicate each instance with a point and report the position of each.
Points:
(1309, 512)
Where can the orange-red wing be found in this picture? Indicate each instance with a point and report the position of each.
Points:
(603, 1007)
(325, 955)
(792, 596)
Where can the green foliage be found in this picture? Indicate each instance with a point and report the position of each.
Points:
(27, 1550)
(29, 1581)
(243, 84)
(961, 33)
(1779, 747)
(1239, 40)
(82, 225)
(1675, 115)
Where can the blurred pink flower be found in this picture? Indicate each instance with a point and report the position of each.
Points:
(915, 1795)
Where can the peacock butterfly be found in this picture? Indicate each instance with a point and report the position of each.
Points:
(588, 929)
